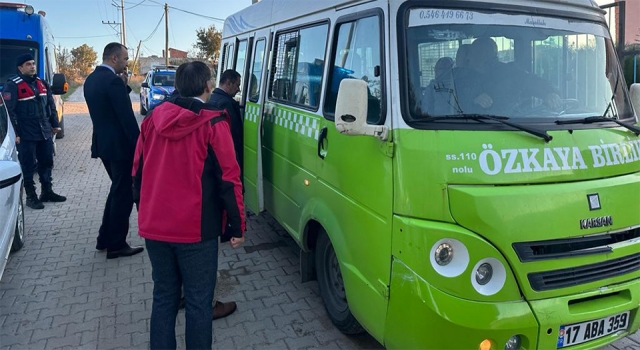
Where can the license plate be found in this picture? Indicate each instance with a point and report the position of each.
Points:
(577, 333)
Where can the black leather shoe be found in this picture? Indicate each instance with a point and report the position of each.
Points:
(100, 247)
(34, 203)
(50, 196)
(128, 251)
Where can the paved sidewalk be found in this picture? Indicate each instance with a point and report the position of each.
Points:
(58, 292)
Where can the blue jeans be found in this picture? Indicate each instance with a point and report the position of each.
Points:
(174, 265)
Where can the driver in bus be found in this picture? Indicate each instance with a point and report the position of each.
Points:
(505, 86)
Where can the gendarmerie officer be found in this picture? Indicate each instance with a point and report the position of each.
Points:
(34, 117)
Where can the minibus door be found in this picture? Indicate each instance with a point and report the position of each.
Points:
(254, 98)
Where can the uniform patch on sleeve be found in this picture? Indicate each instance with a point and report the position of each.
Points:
(6, 95)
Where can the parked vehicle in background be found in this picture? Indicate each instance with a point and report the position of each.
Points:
(156, 87)
(23, 31)
(11, 191)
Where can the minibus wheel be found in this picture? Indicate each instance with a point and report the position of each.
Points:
(332, 287)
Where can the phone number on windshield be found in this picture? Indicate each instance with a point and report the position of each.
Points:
(446, 14)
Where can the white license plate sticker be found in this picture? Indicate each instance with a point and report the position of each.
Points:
(578, 333)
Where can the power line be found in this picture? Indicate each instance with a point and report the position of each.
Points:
(155, 30)
(149, 50)
(147, 5)
(80, 37)
(99, 11)
(189, 12)
(136, 5)
(131, 32)
(197, 14)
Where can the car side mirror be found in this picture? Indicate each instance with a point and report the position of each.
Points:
(59, 85)
(634, 93)
(351, 110)
(9, 170)
(145, 85)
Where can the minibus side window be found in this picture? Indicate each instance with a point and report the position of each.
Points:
(241, 60)
(284, 65)
(299, 65)
(256, 72)
(230, 54)
(357, 55)
(225, 56)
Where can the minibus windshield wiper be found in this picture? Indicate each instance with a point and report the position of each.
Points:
(481, 117)
(599, 119)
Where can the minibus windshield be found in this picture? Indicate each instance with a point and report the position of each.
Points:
(539, 69)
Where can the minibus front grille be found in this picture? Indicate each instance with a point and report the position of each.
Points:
(548, 280)
(571, 247)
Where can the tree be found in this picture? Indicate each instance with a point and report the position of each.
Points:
(83, 58)
(208, 42)
(63, 58)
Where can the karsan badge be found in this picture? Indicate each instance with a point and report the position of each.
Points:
(594, 201)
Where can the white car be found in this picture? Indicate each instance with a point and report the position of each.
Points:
(11, 191)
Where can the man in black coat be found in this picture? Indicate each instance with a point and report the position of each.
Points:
(33, 114)
(115, 134)
(222, 98)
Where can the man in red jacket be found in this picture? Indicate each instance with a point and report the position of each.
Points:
(186, 183)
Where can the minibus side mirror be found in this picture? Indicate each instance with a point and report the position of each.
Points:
(145, 85)
(351, 110)
(634, 92)
(59, 85)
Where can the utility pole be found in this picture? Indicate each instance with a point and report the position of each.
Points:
(135, 60)
(166, 34)
(124, 25)
(112, 24)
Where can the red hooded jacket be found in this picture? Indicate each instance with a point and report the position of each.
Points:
(185, 175)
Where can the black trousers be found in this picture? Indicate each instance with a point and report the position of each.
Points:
(115, 220)
(36, 155)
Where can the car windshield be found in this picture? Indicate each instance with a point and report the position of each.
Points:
(517, 66)
(10, 50)
(164, 79)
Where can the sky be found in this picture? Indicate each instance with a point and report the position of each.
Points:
(77, 22)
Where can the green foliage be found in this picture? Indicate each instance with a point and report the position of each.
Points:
(77, 63)
(83, 58)
(208, 42)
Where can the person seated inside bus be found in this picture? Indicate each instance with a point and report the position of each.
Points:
(438, 97)
(502, 88)
(463, 56)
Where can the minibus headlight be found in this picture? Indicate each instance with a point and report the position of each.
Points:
(29, 10)
(157, 96)
(488, 276)
(513, 343)
(444, 254)
(484, 274)
(449, 257)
